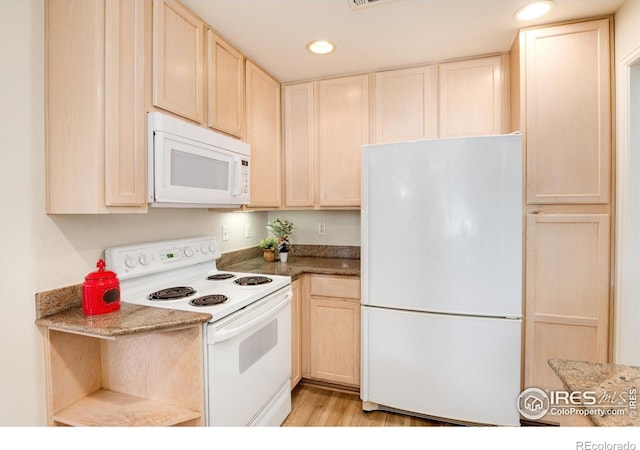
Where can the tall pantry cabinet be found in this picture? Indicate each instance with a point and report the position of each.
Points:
(565, 113)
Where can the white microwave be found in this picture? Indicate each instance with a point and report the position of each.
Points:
(194, 167)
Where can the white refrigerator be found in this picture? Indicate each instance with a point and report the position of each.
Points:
(441, 278)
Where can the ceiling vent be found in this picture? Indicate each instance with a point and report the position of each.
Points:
(359, 4)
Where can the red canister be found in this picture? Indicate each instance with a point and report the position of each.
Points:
(100, 292)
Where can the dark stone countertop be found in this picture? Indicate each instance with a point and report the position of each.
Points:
(62, 308)
(297, 265)
(614, 387)
(129, 319)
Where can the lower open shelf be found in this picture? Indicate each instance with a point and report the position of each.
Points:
(108, 408)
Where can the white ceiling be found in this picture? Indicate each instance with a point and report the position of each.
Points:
(274, 33)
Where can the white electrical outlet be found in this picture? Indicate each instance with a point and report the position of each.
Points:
(321, 228)
(247, 230)
(225, 233)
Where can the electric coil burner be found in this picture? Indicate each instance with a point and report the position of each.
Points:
(172, 293)
(220, 276)
(209, 300)
(252, 281)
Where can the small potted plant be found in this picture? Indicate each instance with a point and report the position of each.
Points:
(269, 246)
(283, 250)
(281, 229)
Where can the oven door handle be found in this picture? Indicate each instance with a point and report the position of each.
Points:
(228, 332)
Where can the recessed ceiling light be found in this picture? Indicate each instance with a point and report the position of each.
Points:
(320, 47)
(534, 10)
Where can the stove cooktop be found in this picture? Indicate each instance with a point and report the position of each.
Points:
(182, 274)
(196, 289)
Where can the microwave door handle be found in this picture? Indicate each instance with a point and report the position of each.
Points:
(237, 176)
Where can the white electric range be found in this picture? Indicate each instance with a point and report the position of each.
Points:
(247, 360)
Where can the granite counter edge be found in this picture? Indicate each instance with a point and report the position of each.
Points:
(129, 320)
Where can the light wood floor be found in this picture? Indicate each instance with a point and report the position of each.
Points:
(313, 406)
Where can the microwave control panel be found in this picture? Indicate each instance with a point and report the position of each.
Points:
(245, 176)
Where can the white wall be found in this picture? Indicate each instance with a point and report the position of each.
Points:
(40, 252)
(341, 227)
(627, 299)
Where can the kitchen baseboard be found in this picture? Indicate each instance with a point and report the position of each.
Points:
(331, 386)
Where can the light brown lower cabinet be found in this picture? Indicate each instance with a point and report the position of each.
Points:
(151, 379)
(331, 329)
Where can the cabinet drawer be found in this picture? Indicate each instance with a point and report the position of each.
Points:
(335, 287)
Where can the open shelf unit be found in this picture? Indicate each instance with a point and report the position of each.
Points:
(148, 379)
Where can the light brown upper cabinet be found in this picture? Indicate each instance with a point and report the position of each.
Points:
(406, 104)
(225, 81)
(343, 127)
(95, 124)
(178, 60)
(325, 124)
(299, 140)
(264, 135)
(568, 112)
(474, 97)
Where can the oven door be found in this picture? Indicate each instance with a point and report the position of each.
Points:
(190, 172)
(249, 363)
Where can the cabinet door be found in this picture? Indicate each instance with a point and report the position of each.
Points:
(125, 119)
(474, 97)
(94, 108)
(178, 60)
(335, 340)
(567, 292)
(225, 93)
(406, 104)
(296, 335)
(343, 127)
(263, 134)
(298, 114)
(568, 113)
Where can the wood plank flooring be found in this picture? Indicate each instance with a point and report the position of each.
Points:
(313, 406)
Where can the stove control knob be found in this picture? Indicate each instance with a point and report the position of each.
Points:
(144, 260)
(130, 262)
(204, 249)
(188, 252)
(212, 247)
